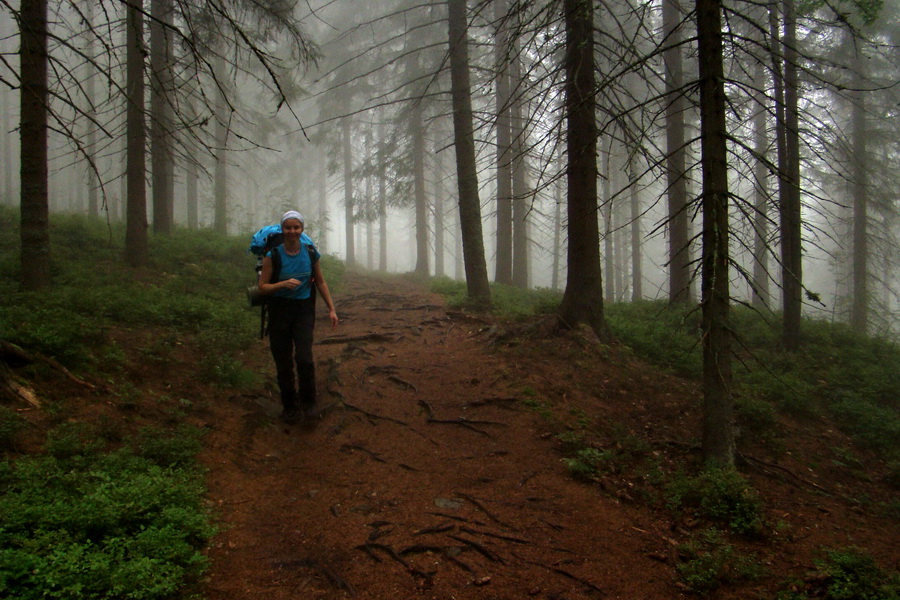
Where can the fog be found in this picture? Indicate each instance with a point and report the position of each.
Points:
(355, 128)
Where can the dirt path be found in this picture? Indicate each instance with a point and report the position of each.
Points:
(427, 477)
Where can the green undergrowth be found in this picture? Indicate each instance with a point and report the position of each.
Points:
(110, 505)
(87, 521)
(193, 286)
(845, 574)
(838, 374)
(708, 561)
(508, 301)
(849, 378)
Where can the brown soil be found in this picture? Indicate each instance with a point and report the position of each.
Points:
(436, 470)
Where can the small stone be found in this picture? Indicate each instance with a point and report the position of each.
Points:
(448, 503)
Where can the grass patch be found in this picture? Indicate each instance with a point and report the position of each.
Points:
(508, 301)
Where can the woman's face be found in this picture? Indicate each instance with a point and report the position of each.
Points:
(292, 228)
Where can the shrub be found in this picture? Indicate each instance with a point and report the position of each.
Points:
(11, 423)
(587, 463)
(720, 495)
(853, 575)
(168, 448)
(711, 562)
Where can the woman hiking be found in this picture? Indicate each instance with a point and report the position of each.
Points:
(291, 281)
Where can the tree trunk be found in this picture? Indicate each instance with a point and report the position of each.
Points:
(637, 273)
(348, 192)
(418, 137)
(557, 230)
(520, 183)
(504, 258)
(136, 253)
(859, 313)
(193, 212)
(161, 121)
(760, 294)
(676, 171)
(718, 433)
(791, 233)
(606, 213)
(91, 114)
(439, 225)
(35, 208)
(583, 298)
(478, 287)
(8, 193)
(369, 204)
(322, 237)
(220, 184)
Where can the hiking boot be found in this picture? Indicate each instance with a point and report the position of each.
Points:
(290, 415)
(311, 412)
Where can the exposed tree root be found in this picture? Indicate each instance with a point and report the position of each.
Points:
(369, 549)
(370, 337)
(328, 572)
(482, 508)
(373, 455)
(478, 548)
(564, 573)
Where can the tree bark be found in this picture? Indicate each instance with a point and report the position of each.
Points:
(35, 207)
(477, 285)
(136, 252)
(718, 433)
(676, 171)
(582, 301)
(791, 233)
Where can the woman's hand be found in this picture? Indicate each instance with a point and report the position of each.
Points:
(334, 318)
(290, 284)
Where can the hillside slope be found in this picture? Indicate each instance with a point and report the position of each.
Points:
(461, 456)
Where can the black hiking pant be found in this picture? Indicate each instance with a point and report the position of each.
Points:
(291, 325)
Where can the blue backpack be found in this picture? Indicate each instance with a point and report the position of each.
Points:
(263, 241)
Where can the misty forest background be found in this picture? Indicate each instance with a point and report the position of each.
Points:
(709, 152)
(709, 186)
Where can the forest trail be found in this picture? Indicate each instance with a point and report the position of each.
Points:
(436, 471)
(430, 475)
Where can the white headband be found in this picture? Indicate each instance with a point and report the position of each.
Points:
(292, 214)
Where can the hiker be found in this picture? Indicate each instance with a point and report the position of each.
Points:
(292, 315)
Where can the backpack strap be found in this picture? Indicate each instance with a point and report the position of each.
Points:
(276, 264)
